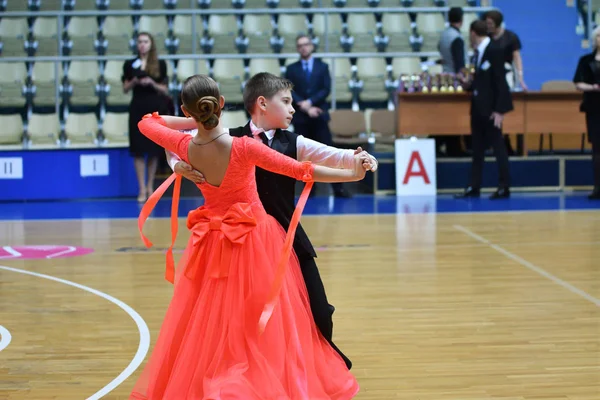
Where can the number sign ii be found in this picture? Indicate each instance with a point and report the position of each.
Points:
(11, 168)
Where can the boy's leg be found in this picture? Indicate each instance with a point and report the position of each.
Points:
(321, 309)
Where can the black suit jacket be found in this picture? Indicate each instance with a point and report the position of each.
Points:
(278, 192)
(317, 88)
(489, 86)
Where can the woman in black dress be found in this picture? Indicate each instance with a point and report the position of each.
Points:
(587, 80)
(146, 75)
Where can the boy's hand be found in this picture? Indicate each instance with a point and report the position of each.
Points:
(186, 170)
(370, 163)
(359, 165)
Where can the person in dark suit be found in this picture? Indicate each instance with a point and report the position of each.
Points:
(587, 80)
(490, 100)
(312, 86)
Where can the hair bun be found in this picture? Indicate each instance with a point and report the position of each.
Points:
(208, 111)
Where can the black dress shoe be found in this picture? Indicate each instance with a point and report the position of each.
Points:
(469, 192)
(501, 193)
(595, 195)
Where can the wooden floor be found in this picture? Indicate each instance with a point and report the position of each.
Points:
(429, 307)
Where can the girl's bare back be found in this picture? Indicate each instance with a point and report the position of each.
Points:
(211, 159)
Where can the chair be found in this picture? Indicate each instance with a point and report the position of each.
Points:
(334, 29)
(223, 28)
(372, 71)
(348, 127)
(341, 71)
(44, 78)
(82, 31)
(81, 128)
(12, 78)
(116, 128)
(117, 31)
(430, 25)
(264, 65)
(43, 129)
(229, 74)
(397, 27)
(112, 73)
(383, 127)
(187, 68)
(362, 28)
(406, 65)
(258, 29)
(12, 129)
(46, 32)
(83, 76)
(13, 32)
(290, 26)
(182, 29)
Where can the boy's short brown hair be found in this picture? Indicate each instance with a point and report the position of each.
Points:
(263, 84)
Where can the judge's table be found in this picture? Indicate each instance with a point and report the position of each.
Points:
(535, 113)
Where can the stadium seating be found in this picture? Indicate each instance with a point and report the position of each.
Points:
(58, 99)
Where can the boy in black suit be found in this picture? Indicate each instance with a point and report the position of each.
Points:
(262, 99)
(490, 100)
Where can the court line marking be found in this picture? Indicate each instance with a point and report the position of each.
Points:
(13, 253)
(5, 338)
(374, 213)
(529, 265)
(69, 249)
(143, 346)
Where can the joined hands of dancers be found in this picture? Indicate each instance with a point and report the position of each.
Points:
(184, 169)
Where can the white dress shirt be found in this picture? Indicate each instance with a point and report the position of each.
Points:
(307, 150)
(481, 49)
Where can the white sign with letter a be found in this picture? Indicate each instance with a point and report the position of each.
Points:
(415, 167)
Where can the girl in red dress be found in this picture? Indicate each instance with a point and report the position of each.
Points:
(239, 325)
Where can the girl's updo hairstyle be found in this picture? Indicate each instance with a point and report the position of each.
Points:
(200, 96)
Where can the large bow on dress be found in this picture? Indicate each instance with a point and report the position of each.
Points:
(235, 226)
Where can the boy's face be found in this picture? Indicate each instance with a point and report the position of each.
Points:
(278, 110)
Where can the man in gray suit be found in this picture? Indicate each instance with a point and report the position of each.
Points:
(452, 50)
(451, 45)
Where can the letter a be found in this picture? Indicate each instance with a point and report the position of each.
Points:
(415, 158)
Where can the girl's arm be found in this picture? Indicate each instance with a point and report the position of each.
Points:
(266, 158)
(179, 123)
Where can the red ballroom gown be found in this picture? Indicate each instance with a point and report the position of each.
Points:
(239, 325)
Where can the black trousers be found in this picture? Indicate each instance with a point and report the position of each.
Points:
(593, 127)
(321, 309)
(483, 134)
(317, 129)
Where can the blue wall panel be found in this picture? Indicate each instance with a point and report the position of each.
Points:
(55, 174)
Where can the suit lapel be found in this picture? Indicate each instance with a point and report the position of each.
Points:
(594, 66)
(246, 131)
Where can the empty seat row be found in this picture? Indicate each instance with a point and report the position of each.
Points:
(79, 129)
(223, 29)
(83, 77)
(79, 5)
